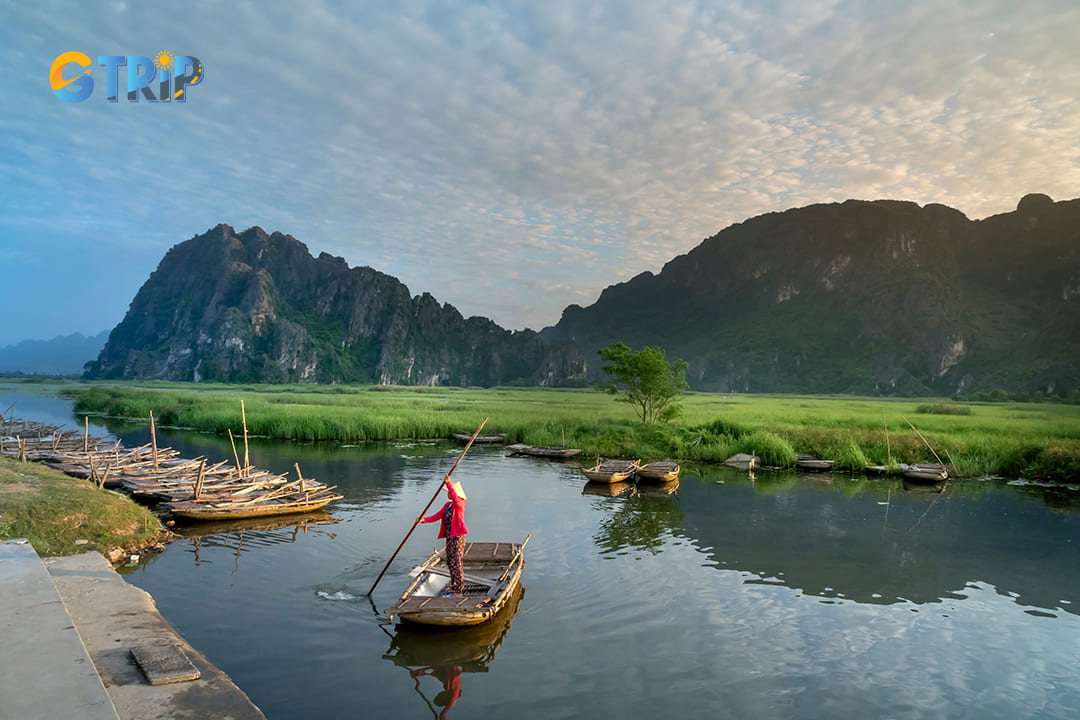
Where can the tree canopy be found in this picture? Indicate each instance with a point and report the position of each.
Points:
(645, 380)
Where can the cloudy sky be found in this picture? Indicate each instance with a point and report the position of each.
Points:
(508, 157)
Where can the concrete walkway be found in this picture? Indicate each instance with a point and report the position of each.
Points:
(45, 672)
(74, 622)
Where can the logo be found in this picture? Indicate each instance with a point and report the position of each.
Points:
(166, 74)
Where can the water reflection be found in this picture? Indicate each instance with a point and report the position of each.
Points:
(876, 541)
(446, 653)
(607, 489)
(242, 536)
(642, 520)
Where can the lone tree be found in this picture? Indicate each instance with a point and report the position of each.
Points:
(646, 380)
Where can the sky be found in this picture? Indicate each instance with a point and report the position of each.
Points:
(510, 158)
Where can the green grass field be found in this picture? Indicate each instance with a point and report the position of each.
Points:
(53, 510)
(1011, 439)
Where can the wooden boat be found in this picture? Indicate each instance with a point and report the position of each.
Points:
(547, 451)
(253, 525)
(611, 471)
(925, 473)
(660, 471)
(484, 439)
(194, 510)
(809, 462)
(492, 575)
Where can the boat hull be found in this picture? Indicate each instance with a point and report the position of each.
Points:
(210, 513)
(660, 472)
(599, 476)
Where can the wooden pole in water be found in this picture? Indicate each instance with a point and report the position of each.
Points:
(86, 436)
(153, 439)
(243, 419)
(297, 465)
(416, 522)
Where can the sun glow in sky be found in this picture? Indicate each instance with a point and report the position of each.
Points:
(510, 158)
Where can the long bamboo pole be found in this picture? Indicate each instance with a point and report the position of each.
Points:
(416, 522)
(153, 439)
(229, 430)
(243, 419)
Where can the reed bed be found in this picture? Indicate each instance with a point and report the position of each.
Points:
(1008, 439)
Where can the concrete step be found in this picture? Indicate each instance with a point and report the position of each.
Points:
(45, 671)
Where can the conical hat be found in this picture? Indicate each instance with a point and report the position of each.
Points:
(459, 490)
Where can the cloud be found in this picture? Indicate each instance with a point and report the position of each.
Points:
(460, 147)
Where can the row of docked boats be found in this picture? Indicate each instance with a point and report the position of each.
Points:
(189, 488)
(617, 471)
(929, 473)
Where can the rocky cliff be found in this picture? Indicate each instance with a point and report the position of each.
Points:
(246, 307)
(869, 297)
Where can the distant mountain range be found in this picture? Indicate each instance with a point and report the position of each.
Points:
(64, 355)
(881, 297)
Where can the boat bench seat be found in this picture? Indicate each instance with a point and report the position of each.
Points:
(439, 602)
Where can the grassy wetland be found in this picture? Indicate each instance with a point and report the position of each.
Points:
(1035, 441)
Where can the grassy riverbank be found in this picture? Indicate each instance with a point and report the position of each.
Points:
(1010, 439)
(53, 510)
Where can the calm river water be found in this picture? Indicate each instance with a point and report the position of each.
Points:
(785, 596)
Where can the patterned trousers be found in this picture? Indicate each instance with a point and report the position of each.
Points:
(454, 548)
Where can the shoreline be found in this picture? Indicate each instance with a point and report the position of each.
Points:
(86, 583)
(76, 626)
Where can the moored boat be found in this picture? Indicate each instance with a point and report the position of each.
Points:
(547, 451)
(225, 510)
(660, 471)
(611, 471)
(925, 473)
(480, 439)
(809, 462)
(492, 573)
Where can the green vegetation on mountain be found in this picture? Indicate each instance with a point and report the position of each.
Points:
(880, 297)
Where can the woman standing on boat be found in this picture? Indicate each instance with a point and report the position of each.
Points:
(453, 529)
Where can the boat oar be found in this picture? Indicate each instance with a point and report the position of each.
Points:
(432, 500)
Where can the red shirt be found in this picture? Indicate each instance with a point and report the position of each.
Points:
(457, 527)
